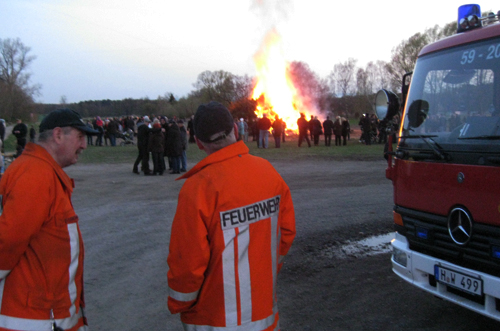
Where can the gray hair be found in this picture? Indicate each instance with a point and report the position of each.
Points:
(219, 144)
(46, 135)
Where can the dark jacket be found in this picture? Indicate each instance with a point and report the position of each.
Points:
(143, 136)
(22, 130)
(2, 130)
(328, 127)
(156, 140)
(183, 137)
(317, 129)
(303, 125)
(112, 127)
(264, 123)
(346, 127)
(337, 127)
(277, 128)
(173, 145)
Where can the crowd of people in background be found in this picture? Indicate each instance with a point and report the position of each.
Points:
(310, 131)
(374, 130)
(164, 141)
(159, 139)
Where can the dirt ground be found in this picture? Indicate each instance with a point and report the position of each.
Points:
(126, 219)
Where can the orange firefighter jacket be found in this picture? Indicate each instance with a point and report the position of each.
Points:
(41, 247)
(233, 225)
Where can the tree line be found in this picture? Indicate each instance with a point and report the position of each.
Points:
(348, 90)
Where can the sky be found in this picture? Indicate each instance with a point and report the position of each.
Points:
(117, 49)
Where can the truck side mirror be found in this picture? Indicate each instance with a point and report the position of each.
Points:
(417, 113)
(386, 105)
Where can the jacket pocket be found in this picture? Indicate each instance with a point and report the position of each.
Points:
(46, 300)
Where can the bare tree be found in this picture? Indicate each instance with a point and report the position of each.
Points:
(383, 78)
(342, 82)
(364, 85)
(17, 97)
(217, 86)
(243, 87)
(404, 56)
(342, 77)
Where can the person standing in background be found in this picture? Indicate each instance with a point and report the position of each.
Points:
(264, 124)
(277, 131)
(241, 129)
(328, 128)
(32, 134)
(184, 141)
(20, 130)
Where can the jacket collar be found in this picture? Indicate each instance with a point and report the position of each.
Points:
(227, 152)
(41, 153)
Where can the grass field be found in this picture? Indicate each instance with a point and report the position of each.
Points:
(288, 151)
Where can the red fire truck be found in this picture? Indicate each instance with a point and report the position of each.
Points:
(446, 168)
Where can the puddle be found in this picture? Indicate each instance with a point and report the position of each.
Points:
(366, 247)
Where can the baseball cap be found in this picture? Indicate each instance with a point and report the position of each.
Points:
(65, 117)
(211, 119)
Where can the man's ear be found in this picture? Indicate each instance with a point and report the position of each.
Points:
(57, 134)
(199, 144)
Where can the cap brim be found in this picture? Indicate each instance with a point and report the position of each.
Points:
(85, 129)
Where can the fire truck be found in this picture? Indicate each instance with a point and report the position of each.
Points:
(445, 169)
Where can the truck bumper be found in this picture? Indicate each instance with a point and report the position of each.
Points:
(419, 271)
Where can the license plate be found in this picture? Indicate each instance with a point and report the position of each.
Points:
(459, 280)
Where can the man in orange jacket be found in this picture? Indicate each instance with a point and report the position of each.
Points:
(233, 226)
(41, 247)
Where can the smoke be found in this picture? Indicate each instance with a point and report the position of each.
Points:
(272, 13)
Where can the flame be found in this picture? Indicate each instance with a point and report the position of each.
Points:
(274, 91)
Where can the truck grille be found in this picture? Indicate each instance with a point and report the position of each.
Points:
(476, 254)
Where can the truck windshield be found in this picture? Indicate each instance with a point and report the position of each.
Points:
(454, 101)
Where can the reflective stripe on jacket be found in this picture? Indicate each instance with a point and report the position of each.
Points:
(41, 248)
(233, 225)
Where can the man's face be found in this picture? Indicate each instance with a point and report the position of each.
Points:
(72, 144)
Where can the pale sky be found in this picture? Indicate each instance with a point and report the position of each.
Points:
(117, 49)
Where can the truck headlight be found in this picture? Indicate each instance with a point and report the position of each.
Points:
(399, 256)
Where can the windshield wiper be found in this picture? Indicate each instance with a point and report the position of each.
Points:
(437, 151)
(480, 138)
(422, 136)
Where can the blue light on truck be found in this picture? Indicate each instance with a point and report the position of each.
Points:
(468, 17)
(422, 233)
(468, 10)
(495, 252)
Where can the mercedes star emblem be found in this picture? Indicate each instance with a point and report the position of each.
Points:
(460, 226)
